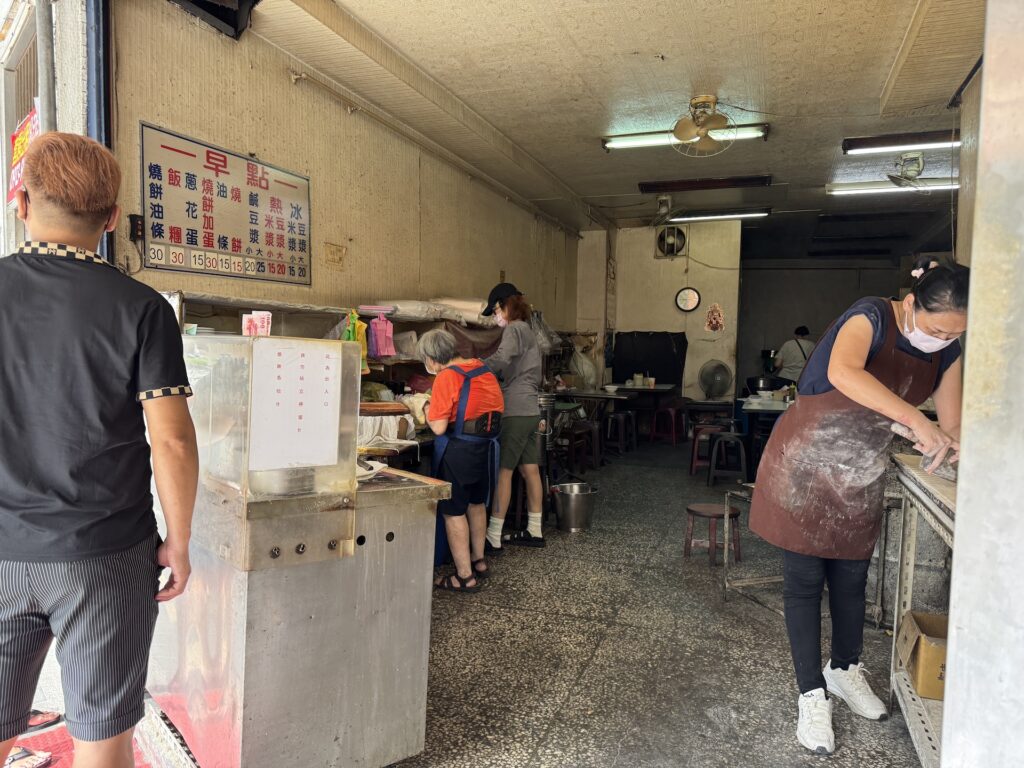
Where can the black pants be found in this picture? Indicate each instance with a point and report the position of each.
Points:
(804, 580)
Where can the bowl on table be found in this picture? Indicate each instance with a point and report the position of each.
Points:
(611, 389)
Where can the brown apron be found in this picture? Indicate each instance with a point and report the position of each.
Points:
(821, 481)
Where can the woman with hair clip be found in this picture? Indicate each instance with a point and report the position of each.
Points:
(517, 362)
(819, 490)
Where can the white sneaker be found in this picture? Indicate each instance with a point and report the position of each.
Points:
(814, 730)
(851, 686)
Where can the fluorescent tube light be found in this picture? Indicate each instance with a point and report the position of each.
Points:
(897, 148)
(884, 187)
(710, 216)
(894, 143)
(666, 139)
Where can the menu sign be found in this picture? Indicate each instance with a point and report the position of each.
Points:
(216, 212)
(28, 129)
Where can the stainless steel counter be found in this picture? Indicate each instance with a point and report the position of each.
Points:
(304, 636)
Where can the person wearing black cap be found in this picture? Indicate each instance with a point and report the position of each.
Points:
(517, 362)
(793, 355)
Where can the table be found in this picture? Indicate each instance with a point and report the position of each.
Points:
(932, 499)
(760, 405)
(396, 453)
(596, 401)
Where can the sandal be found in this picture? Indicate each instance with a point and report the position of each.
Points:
(38, 720)
(26, 758)
(525, 539)
(484, 573)
(490, 549)
(455, 583)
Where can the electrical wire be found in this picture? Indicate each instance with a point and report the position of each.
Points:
(791, 115)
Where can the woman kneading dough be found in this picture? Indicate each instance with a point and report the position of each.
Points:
(820, 485)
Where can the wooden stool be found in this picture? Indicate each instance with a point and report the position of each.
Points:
(713, 513)
(702, 431)
(719, 466)
(672, 415)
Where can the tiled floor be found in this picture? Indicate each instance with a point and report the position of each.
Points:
(607, 648)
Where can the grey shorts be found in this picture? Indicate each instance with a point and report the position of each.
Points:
(102, 612)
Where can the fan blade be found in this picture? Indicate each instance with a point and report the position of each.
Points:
(715, 121)
(707, 144)
(685, 130)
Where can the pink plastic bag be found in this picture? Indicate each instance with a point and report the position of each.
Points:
(383, 337)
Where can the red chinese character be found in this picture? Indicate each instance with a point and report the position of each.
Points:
(208, 240)
(216, 162)
(236, 195)
(208, 187)
(275, 205)
(280, 225)
(176, 235)
(208, 222)
(270, 239)
(173, 177)
(236, 245)
(280, 241)
(207, 205)
(256, 176)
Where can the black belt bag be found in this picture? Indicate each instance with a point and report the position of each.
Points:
(487, 425)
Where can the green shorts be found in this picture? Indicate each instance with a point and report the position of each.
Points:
(519, 441)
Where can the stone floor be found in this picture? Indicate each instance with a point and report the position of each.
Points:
(607, 648)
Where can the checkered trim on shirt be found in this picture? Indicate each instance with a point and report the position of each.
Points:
(153, 394)
(62, 251)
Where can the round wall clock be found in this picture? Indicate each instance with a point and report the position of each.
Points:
(688, 299)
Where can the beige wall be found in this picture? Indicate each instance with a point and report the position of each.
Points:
(413, 225)
(970, 114)
(646, 288)
(591, 281)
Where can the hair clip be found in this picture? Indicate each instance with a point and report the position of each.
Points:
(917, 272)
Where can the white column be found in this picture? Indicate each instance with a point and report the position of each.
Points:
(984, 713)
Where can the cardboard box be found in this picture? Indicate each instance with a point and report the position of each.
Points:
(921, 646)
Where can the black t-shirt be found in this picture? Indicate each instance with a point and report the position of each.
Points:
(82, 345)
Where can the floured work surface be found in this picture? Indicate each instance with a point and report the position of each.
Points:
(942, 492)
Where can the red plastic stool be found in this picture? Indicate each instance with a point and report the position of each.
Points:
(673, 418)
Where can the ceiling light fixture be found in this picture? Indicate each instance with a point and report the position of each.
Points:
(882, 187)
(683, 218)
(666, 139)
(901, 142)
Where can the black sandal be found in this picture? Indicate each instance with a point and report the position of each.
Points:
(490, 549)
(21, 757)
(525, 539)
(481, 574)
(449, 582)
(39, 720)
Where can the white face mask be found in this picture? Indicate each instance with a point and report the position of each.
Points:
(921, 340)
(500, 319)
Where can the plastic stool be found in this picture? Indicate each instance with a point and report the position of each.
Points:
(712, 513)
(702, 431)
(673, 417)
(617, 432)
(720, 445)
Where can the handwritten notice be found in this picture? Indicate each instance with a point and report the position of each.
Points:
(219, 213)
(296, 408)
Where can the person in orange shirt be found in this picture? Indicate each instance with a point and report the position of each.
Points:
(465, 414)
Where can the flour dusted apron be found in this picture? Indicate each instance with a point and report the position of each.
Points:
(821, 481)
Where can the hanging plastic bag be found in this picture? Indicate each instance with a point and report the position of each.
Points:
(356, 331)
(383, 337)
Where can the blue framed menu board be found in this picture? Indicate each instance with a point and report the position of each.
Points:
(210, 211)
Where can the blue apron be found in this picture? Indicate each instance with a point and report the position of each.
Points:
(457, 432)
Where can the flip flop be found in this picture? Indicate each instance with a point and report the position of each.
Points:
(37, 720)
(26, 758)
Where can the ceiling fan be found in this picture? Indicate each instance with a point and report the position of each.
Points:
(705, 131)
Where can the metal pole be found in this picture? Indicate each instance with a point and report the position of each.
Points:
(47, 70)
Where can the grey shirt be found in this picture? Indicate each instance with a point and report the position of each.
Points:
(517, 364)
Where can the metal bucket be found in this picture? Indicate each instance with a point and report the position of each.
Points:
(574, 505)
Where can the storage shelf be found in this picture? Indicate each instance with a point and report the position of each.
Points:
(924, 720)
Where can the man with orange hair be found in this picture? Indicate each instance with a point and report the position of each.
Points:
(91, 359)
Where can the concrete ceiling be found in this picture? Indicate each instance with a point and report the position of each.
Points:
(524, 89)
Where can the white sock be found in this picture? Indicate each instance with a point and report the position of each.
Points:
(494, 531)
(533, 524)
